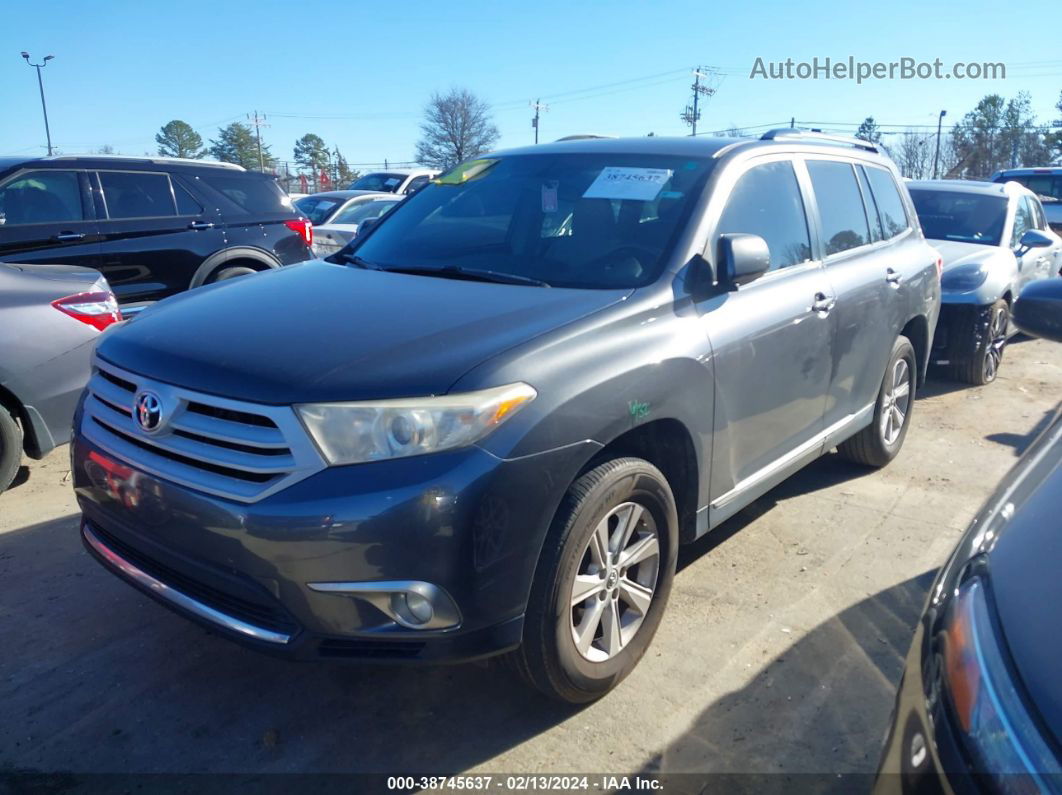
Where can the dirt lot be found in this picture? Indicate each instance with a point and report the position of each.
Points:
(780, 650)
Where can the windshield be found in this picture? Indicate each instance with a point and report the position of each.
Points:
(318, 208)
(357, 213)
(380, 181)
(965, 217)
(572, 220)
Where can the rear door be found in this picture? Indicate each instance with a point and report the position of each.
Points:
(46, 215)
(155, 233)
(771, 339)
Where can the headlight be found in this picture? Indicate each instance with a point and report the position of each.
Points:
(350, 433)
(996, 727)
(965, 277)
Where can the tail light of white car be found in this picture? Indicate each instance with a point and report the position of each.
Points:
(98, 309)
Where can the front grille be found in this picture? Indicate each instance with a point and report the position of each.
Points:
(229, 448)
(261, 612)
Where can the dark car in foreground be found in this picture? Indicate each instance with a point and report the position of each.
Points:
(994, 240)
(486, 426)
(50, 319)
(979, 707)
(152, 226)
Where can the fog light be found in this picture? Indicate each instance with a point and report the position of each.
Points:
(412, 607)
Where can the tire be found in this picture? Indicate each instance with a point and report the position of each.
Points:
(880, 442)
(607, 496)
(982, 366)
(10, 448)
(230, 272)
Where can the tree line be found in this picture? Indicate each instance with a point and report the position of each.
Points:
(457, 125)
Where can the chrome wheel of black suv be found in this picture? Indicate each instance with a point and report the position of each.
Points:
(602, 581)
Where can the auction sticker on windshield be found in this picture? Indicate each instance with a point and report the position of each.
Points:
(621, 182)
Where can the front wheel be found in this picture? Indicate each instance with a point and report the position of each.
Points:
(989, 338)
(880, 442)
(602, 582)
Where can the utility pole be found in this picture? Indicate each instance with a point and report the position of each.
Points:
(692, 114)
(259, 123)
(936, 155)
(792, 122)
(40, 84)
(538, 106)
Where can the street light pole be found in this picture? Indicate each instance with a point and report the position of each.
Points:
(40, 84)
(936, 155)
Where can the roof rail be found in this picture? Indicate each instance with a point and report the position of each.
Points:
(782, 133)
(185, 160)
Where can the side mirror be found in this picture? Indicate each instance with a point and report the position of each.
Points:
(366, 226)
(743, 258)
(1038, 310)
(1034, 238)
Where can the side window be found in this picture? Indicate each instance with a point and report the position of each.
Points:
(186, 205)
(766, 201)
(890, 204)
(41, 197)
(131, 194)
(1036, 210)
(844, 222)
(1023, 221)
(873, 211)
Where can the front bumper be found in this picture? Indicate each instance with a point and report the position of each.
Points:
(464, 521)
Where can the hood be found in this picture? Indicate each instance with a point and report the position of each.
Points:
(1024, 568)
(324, 332)
(956, 253)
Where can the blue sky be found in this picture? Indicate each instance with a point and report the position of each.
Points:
(122, 69)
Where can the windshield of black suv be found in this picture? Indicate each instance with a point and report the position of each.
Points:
(961, 216)
(567, 220)
(380, 181)
(319, 208)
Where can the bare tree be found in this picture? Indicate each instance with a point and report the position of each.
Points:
(914, 155)
(457, 126)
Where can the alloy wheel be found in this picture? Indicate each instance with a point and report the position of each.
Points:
(896, 402)
(997, 340)
(615, 582)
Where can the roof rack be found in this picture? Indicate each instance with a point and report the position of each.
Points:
(185, 160)
(782, 133)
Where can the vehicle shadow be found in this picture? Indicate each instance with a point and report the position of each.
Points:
(828, 697)
(1020, 441)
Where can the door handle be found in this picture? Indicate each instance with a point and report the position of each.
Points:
(823, 303)
(69, 237)
(893, 277)
(201, 225)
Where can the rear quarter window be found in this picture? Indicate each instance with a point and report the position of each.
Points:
(891, 209)
(252, 194)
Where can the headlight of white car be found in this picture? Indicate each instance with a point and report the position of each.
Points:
(965, 277)
(351, 433)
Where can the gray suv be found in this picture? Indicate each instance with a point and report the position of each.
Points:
(486, 425)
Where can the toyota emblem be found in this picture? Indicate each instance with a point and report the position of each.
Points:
(149, 411)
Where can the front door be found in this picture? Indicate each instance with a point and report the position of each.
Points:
(771, 342)
(46, 217)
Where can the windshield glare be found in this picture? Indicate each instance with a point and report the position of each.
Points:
(359, 212)
(574, 220)
(318, 208)
(961, 216)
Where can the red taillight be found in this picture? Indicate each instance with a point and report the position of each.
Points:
(940, 267)
(303, 228)
(97, 309)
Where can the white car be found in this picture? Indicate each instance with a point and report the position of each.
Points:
(322, 208)
(395, 180)
(331, 237)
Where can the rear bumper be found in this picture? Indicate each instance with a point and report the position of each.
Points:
(468, 523)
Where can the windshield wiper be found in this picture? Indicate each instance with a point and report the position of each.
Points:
(354, 259)
(472, 274)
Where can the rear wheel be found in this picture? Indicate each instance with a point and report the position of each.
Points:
(10, 448)
(602, 582)
(227, 272)
(989, 340)
(880, 442)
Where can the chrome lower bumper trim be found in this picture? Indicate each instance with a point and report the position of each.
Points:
(182, 600)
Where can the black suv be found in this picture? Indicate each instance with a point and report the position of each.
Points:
(154, 226)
